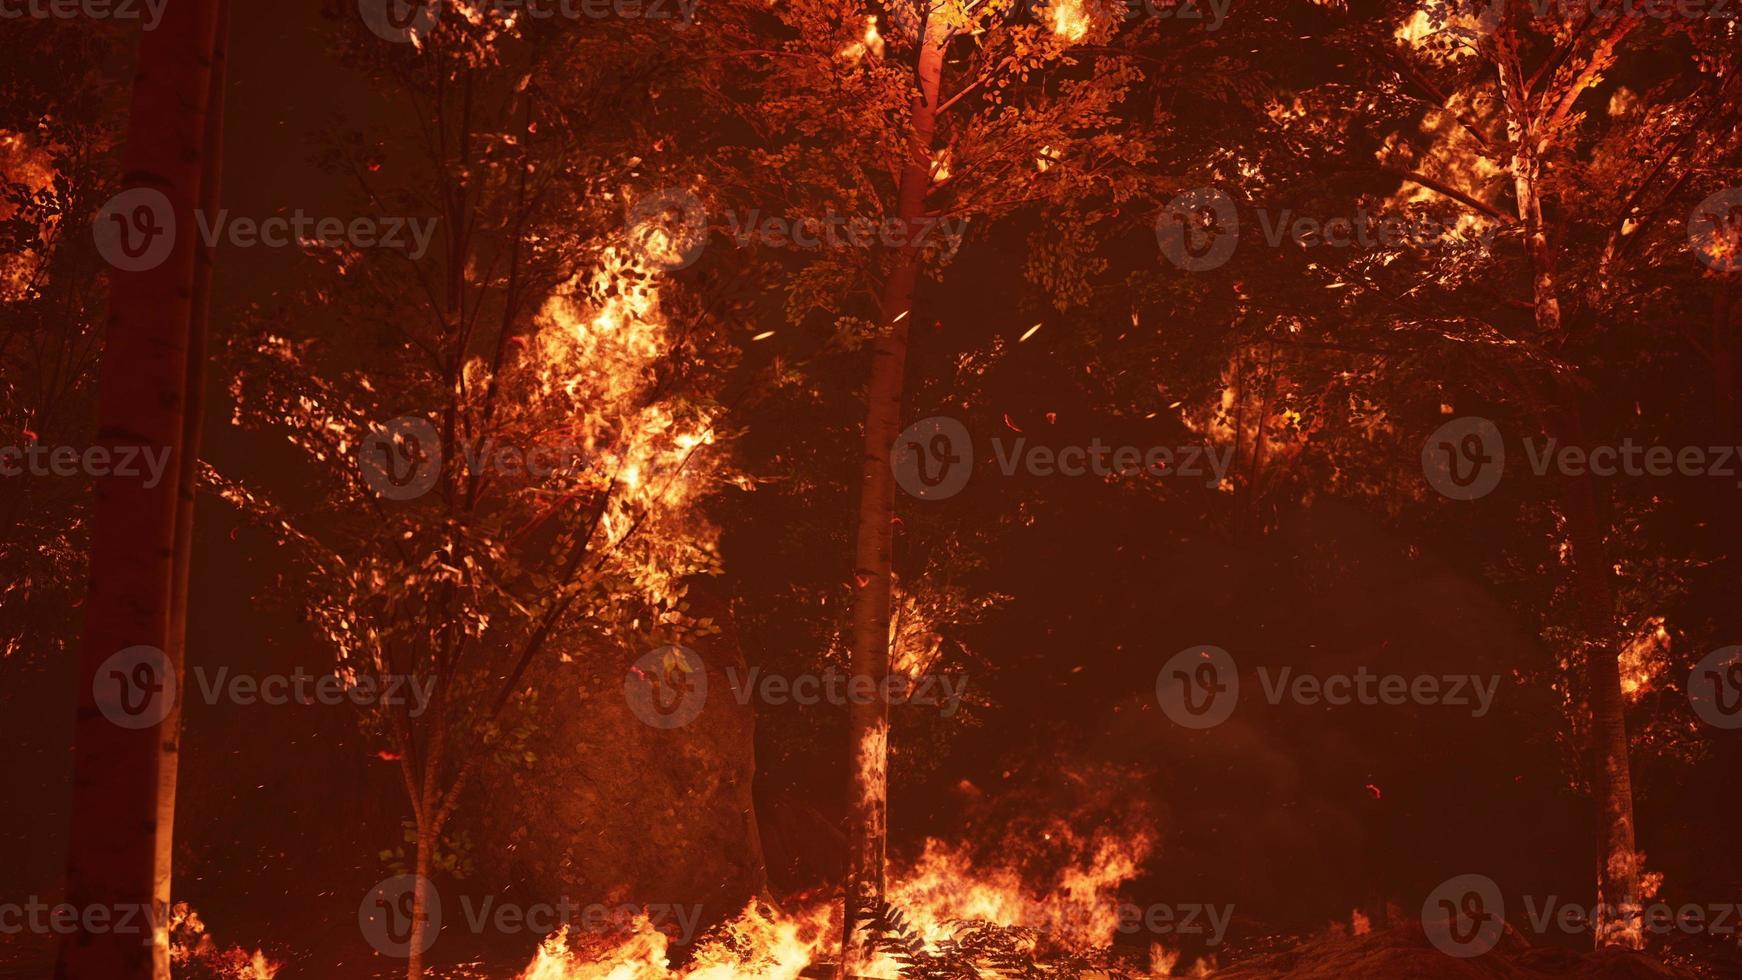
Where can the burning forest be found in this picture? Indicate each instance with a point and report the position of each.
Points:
(777, 489)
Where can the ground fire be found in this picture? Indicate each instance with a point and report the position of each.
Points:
(870, 489)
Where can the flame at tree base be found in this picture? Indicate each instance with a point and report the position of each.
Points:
(937, 896)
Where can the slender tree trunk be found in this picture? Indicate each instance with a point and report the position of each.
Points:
(868, 724)
(1619, 921)
(118, 851)
(1618, 902)
(193, 420)
(426, 845)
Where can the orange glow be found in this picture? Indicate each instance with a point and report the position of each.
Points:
(190, 943)
(937, 892)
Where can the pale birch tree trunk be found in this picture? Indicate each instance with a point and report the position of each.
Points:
(119, 851)
(868, 724)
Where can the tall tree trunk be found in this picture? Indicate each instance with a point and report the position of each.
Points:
(188, 468)
(424, 859)
(1618, 901)
(868, 724)
(1619, 909)
(118, 855)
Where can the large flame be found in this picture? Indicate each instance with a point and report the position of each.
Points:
(33, 168)
(1069, 19)
(1076, 908)
(189, 942)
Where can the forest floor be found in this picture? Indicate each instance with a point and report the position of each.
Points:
(1399, 953)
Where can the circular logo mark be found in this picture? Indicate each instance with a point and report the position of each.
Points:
(1464, 916)
(668, 229)
(1488, 14)
(933, 458)
(387, 915)
(402, 459)
(1199, 229)
(135, 688)
(667, 687)
(135, 231)
(1465, 458)
(1715, 688)
(400, 21)
(1198, 687)
(1715, 230)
